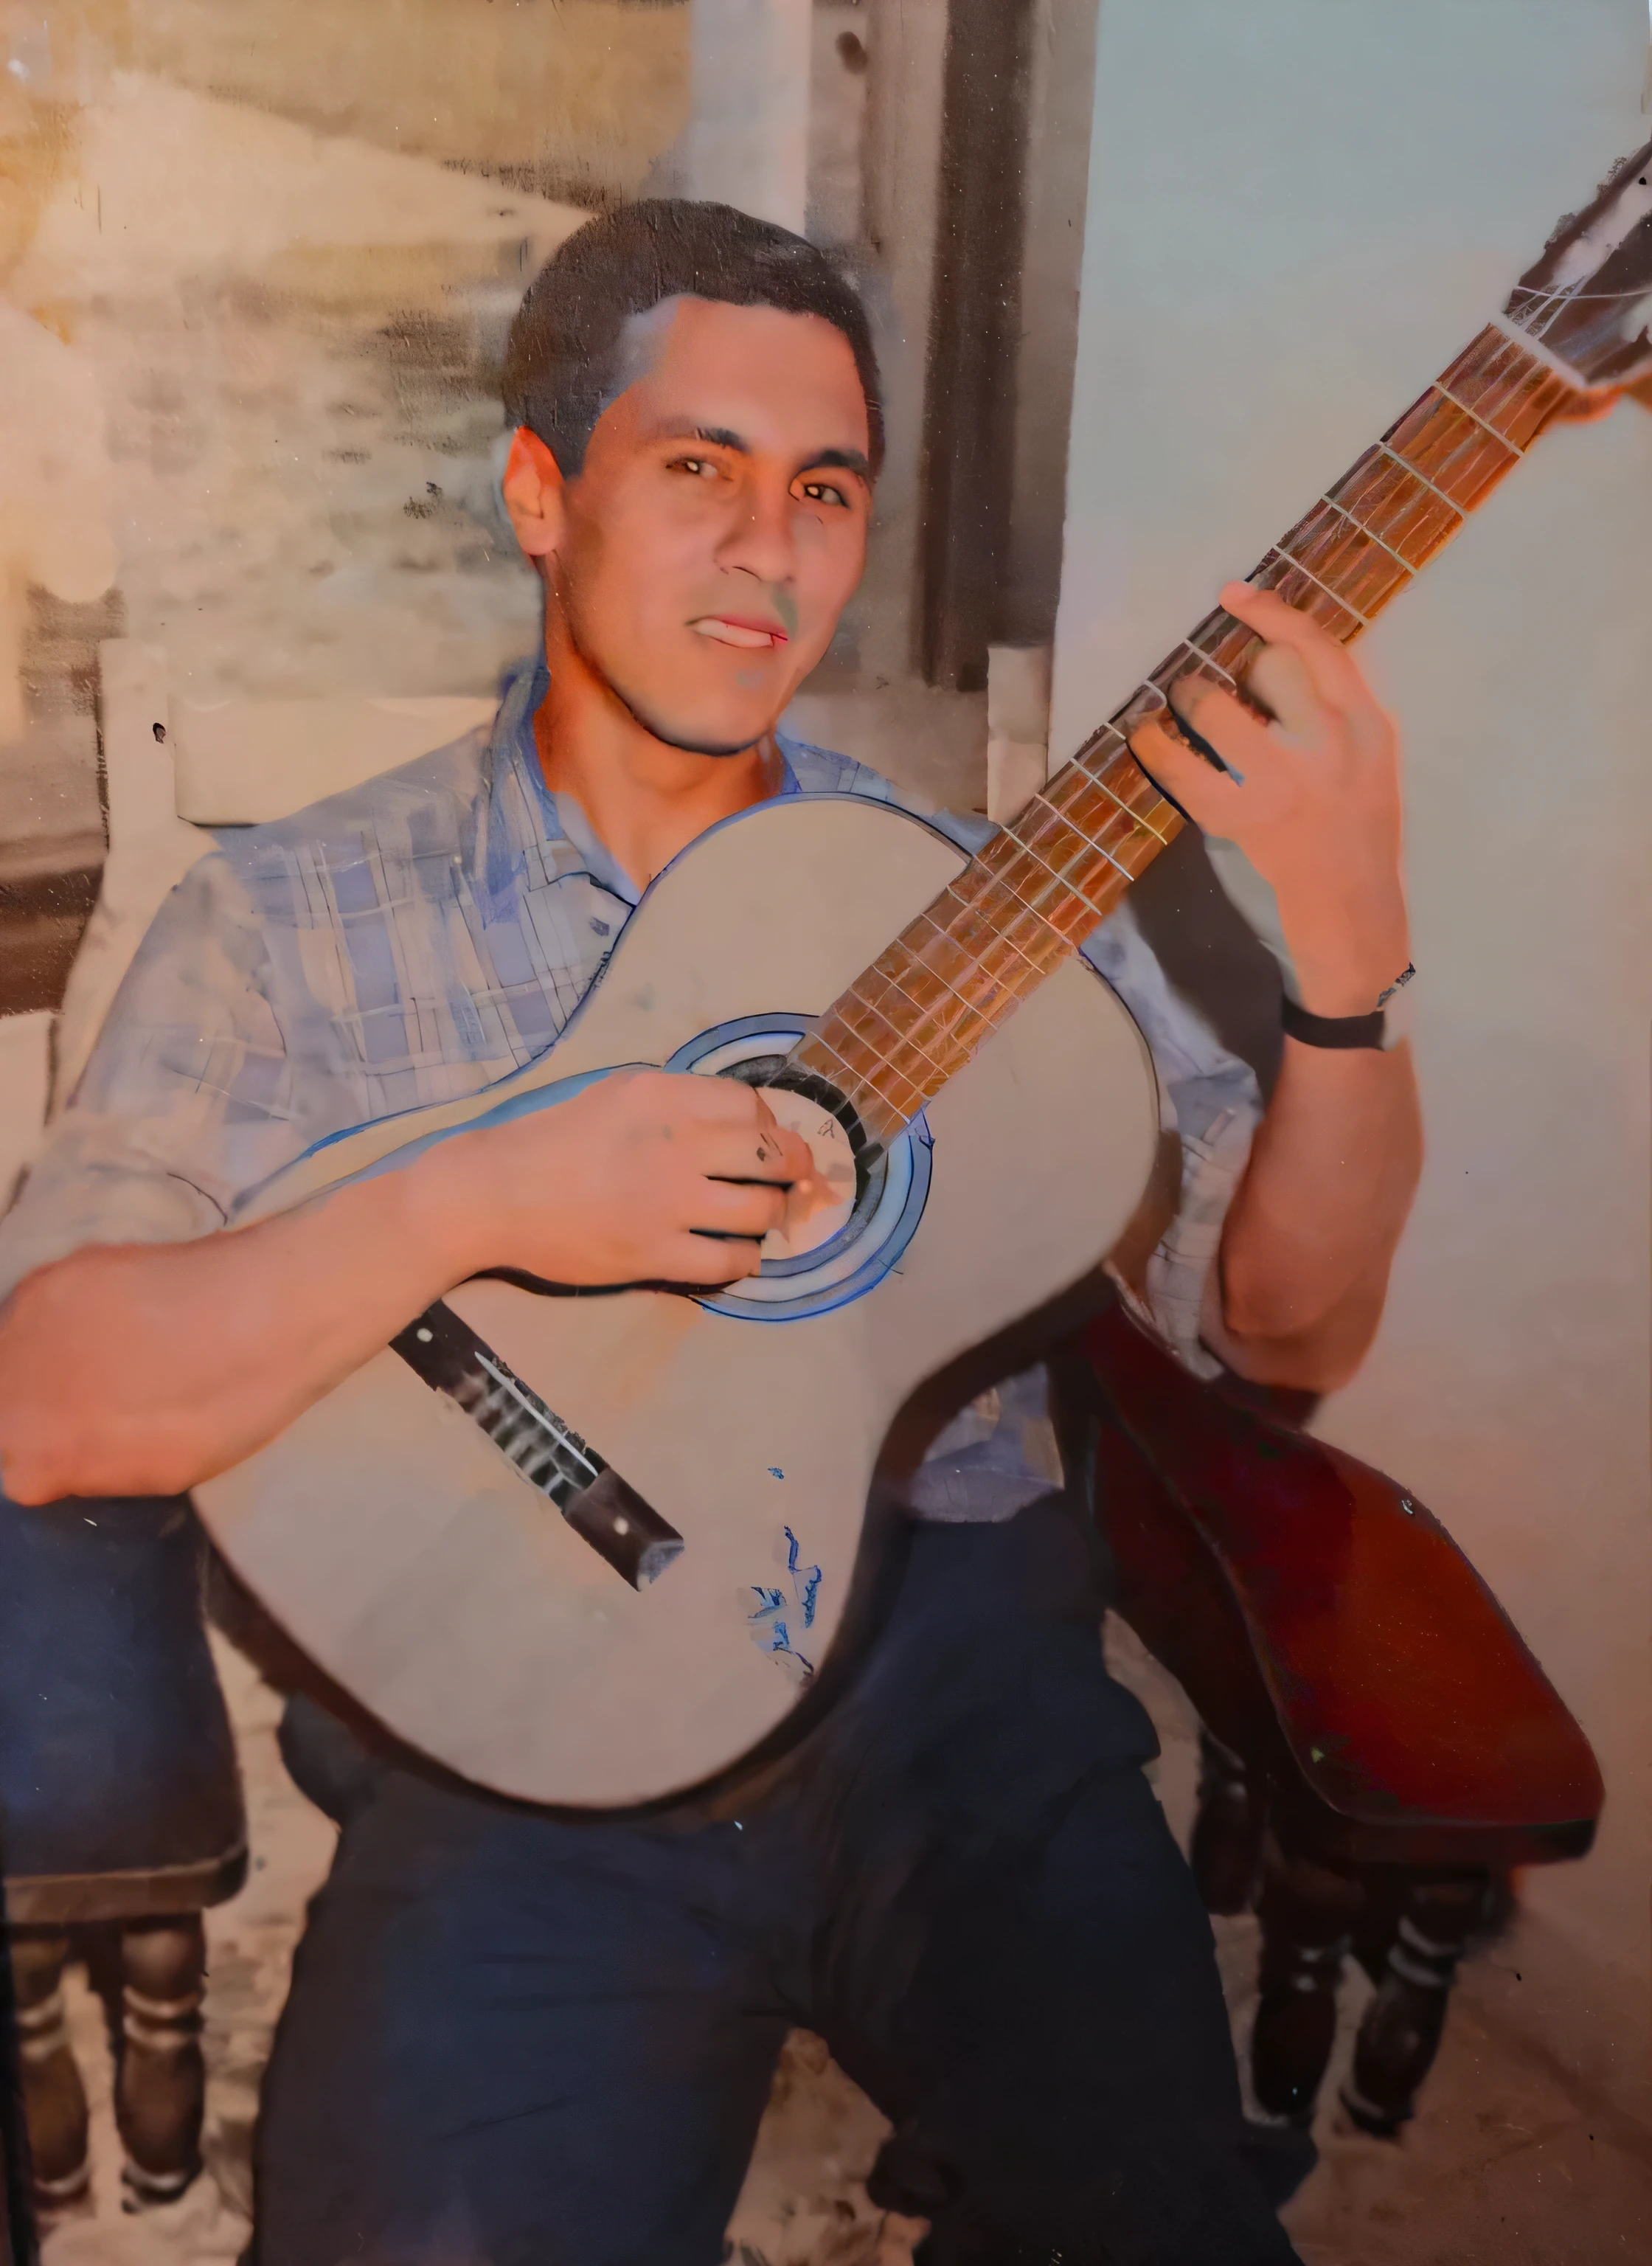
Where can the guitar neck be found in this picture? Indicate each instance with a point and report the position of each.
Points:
(1064, 864)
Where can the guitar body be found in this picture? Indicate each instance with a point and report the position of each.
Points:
(425, 1575)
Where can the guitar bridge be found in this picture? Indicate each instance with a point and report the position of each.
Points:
(600, 1506)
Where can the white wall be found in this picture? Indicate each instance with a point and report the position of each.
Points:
(1297, 212)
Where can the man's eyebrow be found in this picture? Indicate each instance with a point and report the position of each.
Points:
(715, 436)
(847, 460)
(719, 436)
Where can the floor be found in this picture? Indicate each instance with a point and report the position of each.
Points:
(1505, 2167)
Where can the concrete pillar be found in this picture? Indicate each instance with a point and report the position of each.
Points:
(747, 143)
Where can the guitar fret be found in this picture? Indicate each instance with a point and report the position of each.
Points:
(925, 999)
(946, 987)
(1081, 888)
(941, 1031)
(866, 1069)
(855, 1061)
(1111, 740)
(1030, 936)
(1415, 519)
(860, 1010)
(976, 929)
(1504, 385)
(1232, 642)
(1457, 511)
(1295, 566)
(856, 1013)
(1357, 572)
(1527, 395)
(1089, 804)
(1464, 465)
(1056, 842)
(1532, 346)
(1029, 883)
(987, 940)
(958, 1030)
(931, 1011)
(1174, 670)
(1446, 395)
(1204, 661)
(1120, 832)
(1404, 565)
(918, 978)
(817, 1055)
(1122, 770)
(1031, 880)
(893, 1086)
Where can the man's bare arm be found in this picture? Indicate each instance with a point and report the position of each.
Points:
(142, 1368)
(1312, 1232)
(139, 1369)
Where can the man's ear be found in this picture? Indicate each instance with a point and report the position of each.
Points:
(535, 492)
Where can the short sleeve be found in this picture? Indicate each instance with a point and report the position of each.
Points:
(184, 1101)
(1213, 1104)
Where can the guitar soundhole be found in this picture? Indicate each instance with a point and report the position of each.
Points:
(603, 1509)
(841, 1237)
(838, 1140)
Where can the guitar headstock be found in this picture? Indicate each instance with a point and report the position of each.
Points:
(1587, 302)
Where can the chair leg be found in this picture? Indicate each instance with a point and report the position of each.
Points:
(1307, 1913)
(1226, 1849)
(1400, 2033)
(160, 2084)
(53, 2099)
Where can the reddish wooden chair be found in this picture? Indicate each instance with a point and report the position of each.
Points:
(1381, 1750)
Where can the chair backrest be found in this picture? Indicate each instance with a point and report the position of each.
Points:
(237, 763)
(176, 768)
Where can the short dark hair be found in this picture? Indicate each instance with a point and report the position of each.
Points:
(563, 361)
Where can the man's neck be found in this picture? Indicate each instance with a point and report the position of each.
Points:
(645, 799)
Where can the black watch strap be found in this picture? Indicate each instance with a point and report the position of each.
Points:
(1332, 1030)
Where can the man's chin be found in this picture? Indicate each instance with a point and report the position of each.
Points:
(711, 730)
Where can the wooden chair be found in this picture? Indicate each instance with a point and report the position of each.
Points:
(1381, 1750)
(120, 1810)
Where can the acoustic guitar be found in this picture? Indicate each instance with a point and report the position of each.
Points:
(593, 1549)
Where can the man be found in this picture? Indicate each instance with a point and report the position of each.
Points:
(514, 2036)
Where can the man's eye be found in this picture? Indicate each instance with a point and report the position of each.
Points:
(699, 467)
(824, 492)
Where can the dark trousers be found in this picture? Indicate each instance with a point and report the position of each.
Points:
(515, 2039)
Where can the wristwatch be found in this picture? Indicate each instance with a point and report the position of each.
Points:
(1380, 1029)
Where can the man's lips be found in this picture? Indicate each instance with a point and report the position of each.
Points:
(741, 630)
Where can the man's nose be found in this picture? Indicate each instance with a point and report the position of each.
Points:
(759, 536)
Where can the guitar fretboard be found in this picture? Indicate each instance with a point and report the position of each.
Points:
(924, 1007)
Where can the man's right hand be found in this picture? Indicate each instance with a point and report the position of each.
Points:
(643, 1177)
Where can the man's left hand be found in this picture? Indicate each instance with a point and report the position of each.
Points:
(1311, 799)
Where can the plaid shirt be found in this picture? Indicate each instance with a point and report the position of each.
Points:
(417, 938)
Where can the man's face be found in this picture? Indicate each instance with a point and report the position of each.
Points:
(719, 525)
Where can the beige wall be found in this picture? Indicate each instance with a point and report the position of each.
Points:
(257, 260)
(1297, 214)
(576, 98)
